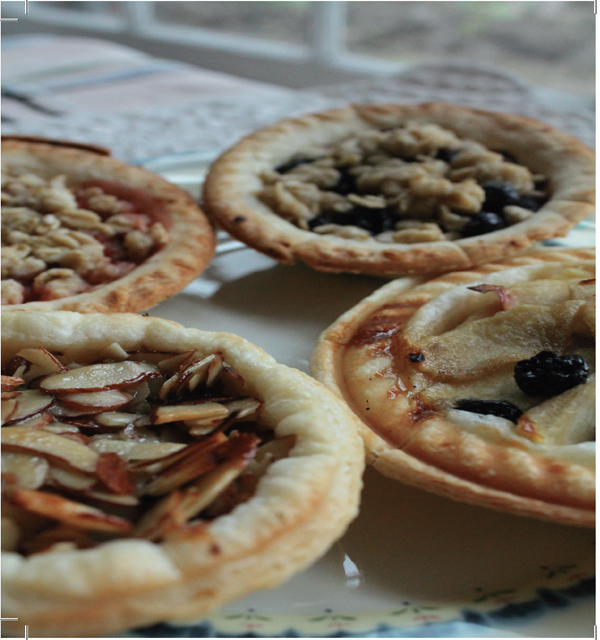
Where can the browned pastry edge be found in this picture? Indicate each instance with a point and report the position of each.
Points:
(188, 252)
(301, 506)
(416, 463)
(234, 180)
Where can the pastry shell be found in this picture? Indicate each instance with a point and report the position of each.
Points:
(301, 506)
(479, 465)
(191, 242)
(231, 188)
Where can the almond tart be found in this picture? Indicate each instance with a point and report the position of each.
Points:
(82, 231)
(401, 189)
(152, 473)
(478, 385)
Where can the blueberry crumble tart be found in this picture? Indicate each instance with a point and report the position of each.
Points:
(401, 189)
(479, 385)
(151, 473)
(82, 231)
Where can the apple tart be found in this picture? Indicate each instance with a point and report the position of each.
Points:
(151, 473)
(478, 385)
(82, 231)
(401, 189)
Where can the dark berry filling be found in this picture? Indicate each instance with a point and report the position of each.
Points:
(498, 195)
(499, 408)
(548, 374)
(483, 222)
(447, 155)
(346, 184)
(374, 221)
(292, 164)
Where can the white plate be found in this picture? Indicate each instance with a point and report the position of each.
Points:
(412, 564)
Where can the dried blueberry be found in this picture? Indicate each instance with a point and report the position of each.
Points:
(417, 357)
(447, 155)
(346, 183)
(549, 374)
(533, 203)
(499, 408)
(292, 164)
(483, 222)
(372, 220)
(498, 195)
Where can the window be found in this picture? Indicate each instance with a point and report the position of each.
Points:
(299, 43)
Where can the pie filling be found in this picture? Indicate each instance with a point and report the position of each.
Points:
(516, 361)
(408, 184)
(140, 444)
(59, 241)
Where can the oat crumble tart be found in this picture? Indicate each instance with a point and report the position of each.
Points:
(82, 231)
(478, 385)
(152, 473)
(401, 189)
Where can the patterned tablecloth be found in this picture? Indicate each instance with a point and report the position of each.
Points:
(141, 107)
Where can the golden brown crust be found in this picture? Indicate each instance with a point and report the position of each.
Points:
(191, 243)
(356, 359)
(234, 180)
(303, 503)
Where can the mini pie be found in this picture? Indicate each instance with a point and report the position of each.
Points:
(82, 231)
(401, 189)
(478, 385)
(152, 472)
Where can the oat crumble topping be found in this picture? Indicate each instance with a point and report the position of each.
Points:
(59, 241)
(416, 183)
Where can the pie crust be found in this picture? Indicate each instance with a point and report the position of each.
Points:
(235, 197)
(405, 357)
(181, 239)
(301, 504)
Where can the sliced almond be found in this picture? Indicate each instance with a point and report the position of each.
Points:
(9, 406)
(70, 512)
(206, 411)
(116, 419)
(43, 363)
(29, 471)
(132, 450)
(99, 377)
(121, 500)
(115, 352)
(244, 408)
(194, 375)
(49, 539)
(233, 382)
(38, 421)
(204, 491)
(29, 403)
(160, 518)
(171, 365)
(97, 401)
(152, 357)
(70, 479)
(50, 445)
(214, 370)
(60, 427)
(200, 459)
(16, 367)
(112, 471)
(9, 383)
